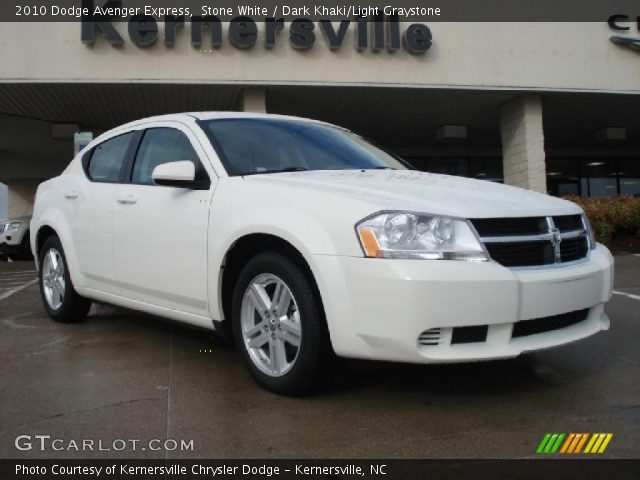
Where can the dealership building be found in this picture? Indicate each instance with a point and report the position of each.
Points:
(548, 106)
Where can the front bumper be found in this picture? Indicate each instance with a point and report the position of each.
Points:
(11, 240)
(379, 308)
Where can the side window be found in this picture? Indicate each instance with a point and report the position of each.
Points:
(107, 159)
(163, 145)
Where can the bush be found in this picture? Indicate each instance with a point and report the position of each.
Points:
(610, 216)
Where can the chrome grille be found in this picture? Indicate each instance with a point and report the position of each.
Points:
(2, 227)
(534, 241)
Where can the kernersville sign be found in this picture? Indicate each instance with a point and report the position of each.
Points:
(376, 33)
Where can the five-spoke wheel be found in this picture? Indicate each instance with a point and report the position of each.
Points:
(271, 324)
(53, 282)
(278, 324)
(60, 298)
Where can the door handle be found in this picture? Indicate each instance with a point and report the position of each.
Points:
(71, 194)
(127, 199)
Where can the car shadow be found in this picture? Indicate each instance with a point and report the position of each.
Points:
(491, 377)
(349, 376)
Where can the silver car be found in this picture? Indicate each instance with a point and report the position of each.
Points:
(14, 238)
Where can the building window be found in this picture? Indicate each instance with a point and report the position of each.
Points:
(448, 166)
(593, 177)
(482, 168)
(629, 175)
(563, 177)
(600, 177)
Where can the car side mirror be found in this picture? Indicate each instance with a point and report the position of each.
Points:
(180, 174)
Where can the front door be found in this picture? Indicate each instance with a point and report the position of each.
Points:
(160, 232)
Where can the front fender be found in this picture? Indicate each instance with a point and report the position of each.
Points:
(313, 222)
(297, 230)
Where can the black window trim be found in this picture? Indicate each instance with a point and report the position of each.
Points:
(87, 157)
(204, 184)
(131, 155)
(217, 147)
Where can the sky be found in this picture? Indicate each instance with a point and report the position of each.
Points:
(3, 201)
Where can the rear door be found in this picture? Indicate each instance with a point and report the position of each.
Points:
(160, 232)
(90, 208)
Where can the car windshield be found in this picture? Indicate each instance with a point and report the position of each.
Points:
(249, 146)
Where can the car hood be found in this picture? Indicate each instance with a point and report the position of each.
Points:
(424, 192)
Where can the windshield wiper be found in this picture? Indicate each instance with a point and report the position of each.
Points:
(280, 170)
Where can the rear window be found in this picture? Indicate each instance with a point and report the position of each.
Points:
(107, 159)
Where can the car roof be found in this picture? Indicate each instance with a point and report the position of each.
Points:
(189, 116)
(216, 115)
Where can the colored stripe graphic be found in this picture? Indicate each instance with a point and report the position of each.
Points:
(567, 442)
(573, 443)
(605, 442)
(596, 445)
(550, 443)
(576, 439)
(543, 443)
(598, 442)
(594, 437)
(581, 442)
(556, 446)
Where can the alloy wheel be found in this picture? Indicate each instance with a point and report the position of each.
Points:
(53, 281)
(270, 322)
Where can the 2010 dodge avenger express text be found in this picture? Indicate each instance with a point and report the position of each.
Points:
(304, 240)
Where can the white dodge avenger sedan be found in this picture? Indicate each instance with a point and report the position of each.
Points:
(302, 240)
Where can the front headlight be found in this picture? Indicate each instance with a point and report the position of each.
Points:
(419, 236)
(13, 226)
(587, 226)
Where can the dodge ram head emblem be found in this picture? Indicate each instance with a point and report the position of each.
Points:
(555, 241)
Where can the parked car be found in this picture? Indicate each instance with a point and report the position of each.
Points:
(14, 238)
(305, 240)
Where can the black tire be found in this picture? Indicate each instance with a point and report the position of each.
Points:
(315, 354)
(73, 307)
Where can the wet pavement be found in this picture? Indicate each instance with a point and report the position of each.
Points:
(121, 375)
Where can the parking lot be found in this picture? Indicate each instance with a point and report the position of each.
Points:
(120, 375)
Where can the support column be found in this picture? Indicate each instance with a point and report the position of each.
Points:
(522, 135)
(21, 197)
(254, 100)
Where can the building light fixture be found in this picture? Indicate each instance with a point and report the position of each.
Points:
(451, 132)
(611, 134)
